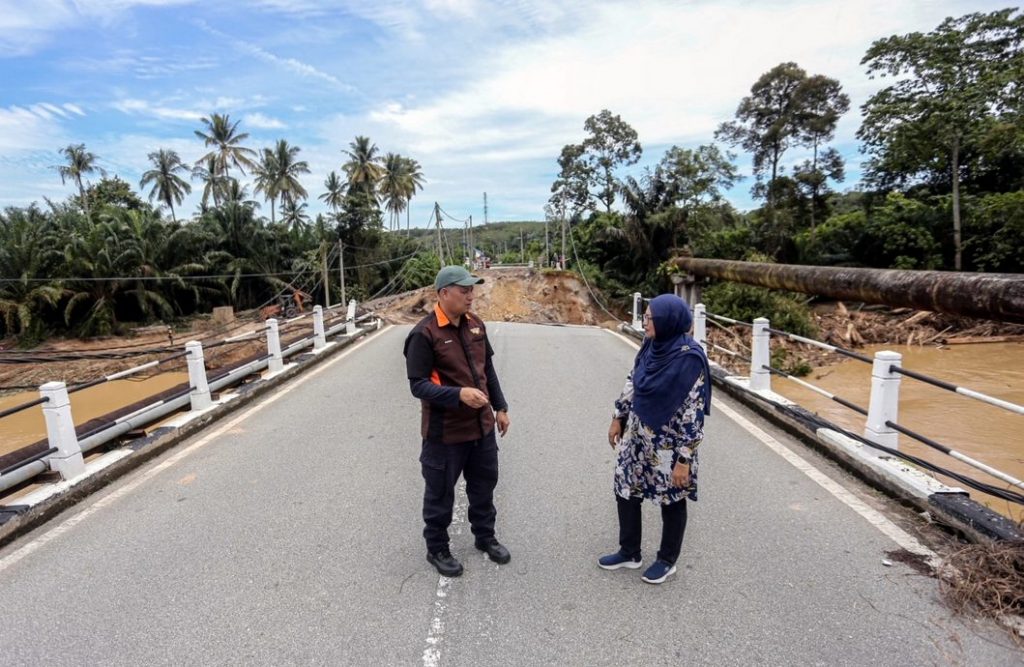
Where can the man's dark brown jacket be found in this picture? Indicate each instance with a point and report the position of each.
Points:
(440, 359)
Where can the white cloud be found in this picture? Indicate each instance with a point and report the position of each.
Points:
(74, 108)
(262, 122)
(136, 106)
(292, 64)
(22, 130)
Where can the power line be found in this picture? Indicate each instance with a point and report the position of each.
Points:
(151, 278)
(584, 276)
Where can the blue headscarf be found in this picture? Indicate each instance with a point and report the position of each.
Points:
(667, 367)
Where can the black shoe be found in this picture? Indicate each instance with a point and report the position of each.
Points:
(445, 563)
(494, 550)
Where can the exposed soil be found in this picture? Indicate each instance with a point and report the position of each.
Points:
(511, 295)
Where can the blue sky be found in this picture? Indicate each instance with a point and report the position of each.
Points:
(483, 94)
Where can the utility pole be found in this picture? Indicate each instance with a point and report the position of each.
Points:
(437, 217)
(547, 249)
(522, 247)
(323, 263)
(472, 248)
(561, 261)
(485, 208)
(341, 269)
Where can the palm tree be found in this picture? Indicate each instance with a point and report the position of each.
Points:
(288, 170)
(293, 215)
(413, 181)
(393, 187)
(214, 184)
(363, 168)
(221, 134)
(266, 179)
(168, 187)
(334, 197)
(80, 163)
(29, 242)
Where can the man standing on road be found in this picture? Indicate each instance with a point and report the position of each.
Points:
(448, 361)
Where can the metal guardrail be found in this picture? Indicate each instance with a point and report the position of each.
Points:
(67, 447)
(881, 430)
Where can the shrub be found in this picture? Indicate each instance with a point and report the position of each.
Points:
(746, 302)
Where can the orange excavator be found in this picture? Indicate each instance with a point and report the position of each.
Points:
(288, 305)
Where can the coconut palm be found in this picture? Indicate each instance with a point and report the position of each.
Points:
(293, 215)
(222, 135)
(214, 184)
(80, 163)
(393, 187)
(289, 168)
(168, 186)
(363, 168)
(334, 197)
(266, 172)
(413, 181)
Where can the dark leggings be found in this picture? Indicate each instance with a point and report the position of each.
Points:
(673, 526)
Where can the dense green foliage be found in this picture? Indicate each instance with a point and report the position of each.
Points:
(105, 259)
(945, 142)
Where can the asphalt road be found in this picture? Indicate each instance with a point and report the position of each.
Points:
(293, 536)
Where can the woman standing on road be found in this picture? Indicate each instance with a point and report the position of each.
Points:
(657, 426)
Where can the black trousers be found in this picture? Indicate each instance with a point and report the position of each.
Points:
(673, 526)
(477, 461)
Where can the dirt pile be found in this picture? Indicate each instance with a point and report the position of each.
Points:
(510, 295)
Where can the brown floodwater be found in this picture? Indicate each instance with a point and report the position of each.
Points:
(989, 434)
(27, 426)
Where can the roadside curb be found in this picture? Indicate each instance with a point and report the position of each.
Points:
(948, 507)
(15, 520)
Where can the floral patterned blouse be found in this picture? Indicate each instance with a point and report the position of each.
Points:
(645, 458)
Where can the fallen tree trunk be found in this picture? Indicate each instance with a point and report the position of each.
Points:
(993, 296)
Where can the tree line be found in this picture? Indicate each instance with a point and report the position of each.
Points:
(105, 259)
(942, 186)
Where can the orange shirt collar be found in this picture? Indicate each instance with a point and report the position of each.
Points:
(442, 319)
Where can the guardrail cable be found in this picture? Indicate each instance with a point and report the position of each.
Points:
(822, 345)
(732, 333)
(974, 463)
(728, 319)
(23, 406)
(818, 390)
(990, 489)
(963, 391)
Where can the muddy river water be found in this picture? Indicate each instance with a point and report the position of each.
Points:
(989, 434)
(27, 426)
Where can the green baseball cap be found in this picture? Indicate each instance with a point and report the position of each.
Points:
(455, 275)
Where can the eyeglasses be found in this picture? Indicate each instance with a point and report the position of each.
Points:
(647, 318)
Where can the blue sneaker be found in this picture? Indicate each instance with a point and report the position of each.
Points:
(618, 559)
(658, 572)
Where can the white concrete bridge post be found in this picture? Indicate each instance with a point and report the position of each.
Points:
(760, 356)
(199, 390)
(60, 431)
(885, 399)
(700, 325)
(350, 318)
(276, 363)
(319, 336)
(638, 304)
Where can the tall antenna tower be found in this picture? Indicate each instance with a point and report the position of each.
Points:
(485, 208)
